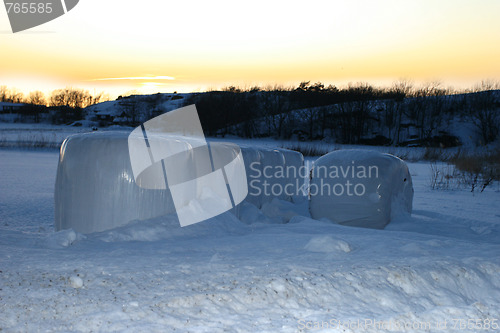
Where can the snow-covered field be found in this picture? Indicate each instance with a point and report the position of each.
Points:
(41, 135)
(436, 271)
(51, 136)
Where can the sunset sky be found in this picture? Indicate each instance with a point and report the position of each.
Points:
(164, 46)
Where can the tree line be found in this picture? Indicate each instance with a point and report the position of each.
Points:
(66, 97)
(356, 114)
(66, 105)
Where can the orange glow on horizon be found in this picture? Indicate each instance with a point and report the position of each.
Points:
(225, 43)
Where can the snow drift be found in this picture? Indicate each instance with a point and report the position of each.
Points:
(96, 191)
(360, 188)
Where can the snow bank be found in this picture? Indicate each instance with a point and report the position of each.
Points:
(360, 188)
(96, 189)
(328, 244)
(62, 239)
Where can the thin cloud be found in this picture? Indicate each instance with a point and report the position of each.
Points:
(141, 78)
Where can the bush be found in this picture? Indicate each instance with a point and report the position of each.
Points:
(433, 154)
(474, 171)
(480, 170)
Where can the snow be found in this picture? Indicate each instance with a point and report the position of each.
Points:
(360, 188)
(76, 281)
(433, 271)
(327, 244)
(43, 135)
(4, 105)
(143, 105)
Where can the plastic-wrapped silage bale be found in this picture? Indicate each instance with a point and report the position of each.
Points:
(360, 188)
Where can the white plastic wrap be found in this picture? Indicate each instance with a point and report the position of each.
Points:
(360, 188)
(273, 173)
(96, 190)
(170, 151)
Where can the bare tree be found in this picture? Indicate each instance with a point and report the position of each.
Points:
(4, 94)
(484, 113)
(16, 96)
(99, 98)
(36, 98)
(486, 85)
(131, 109)
(404, 87)
(311, 117)
(276, 104)
(353, 120)
(392, 115)
(70, 97)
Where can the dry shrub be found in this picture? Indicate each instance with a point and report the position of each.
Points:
(478, 170)
(433, 154)
(444, 177)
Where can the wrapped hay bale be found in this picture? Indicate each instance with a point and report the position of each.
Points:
(360, 188)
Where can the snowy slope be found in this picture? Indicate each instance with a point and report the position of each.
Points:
(440, 267)
(162, 102)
